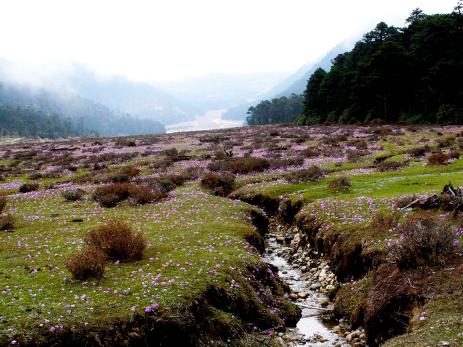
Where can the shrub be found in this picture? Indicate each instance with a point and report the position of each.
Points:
(112, 194)
(88, 263)
(312, 173)
(117, 241)
(144, 195)
(3, 202)
(124, 174)
(339, 184)
(424, 240)
(453, 154)
(218, 184)
(279, 163)
(220, 155)
(311, 152)
(437, 158)
(6, 222)
(385, 220)
(28, 187)
(241, 165)
(389, 165)
(418, 151)
(72, 194)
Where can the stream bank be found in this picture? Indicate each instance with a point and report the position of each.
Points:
(311, 283)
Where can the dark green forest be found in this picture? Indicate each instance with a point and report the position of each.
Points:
(30, 112)
(412, 74)
(278, 110)
(23, 121)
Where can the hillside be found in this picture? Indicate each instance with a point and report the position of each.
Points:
(85, 115)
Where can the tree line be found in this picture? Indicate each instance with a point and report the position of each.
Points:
(411, 74)
(278, 110)
(25, 121)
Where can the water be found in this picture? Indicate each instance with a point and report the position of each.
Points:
(208, 121)
(310, 325)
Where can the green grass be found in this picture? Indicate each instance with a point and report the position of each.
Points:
(194, 239)
(416, 179)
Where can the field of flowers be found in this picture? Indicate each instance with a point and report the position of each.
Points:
(194, 198)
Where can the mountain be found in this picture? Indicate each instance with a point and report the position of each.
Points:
(141, 100)
(86, 116)
(295, 83)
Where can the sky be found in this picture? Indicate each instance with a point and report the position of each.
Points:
(172, 40)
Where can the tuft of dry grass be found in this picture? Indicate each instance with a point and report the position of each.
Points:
(117, 241)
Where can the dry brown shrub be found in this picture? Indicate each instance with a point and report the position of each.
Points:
(438, 158)
(218, 184)
(424, 240)
(339, 184)
(7, 222)
(117, 241)
(3, 202)
(385, 220)
(28, 187)
(88, 263)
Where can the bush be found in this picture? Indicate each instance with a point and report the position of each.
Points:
(124, 174)
(311, 152)
(3, 202)
(88, 263)
(72, 194)
(339, 184)
(385, 220)
(424, 240)
(241, 165)
(217, 184)
(418, 151)
(144, 195)
(6, 222)
(389, 165)
(28, 187)
(312, 173)
(437, 158)
(112, 194)
(117, 241)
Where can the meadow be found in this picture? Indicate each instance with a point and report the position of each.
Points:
(201, 203)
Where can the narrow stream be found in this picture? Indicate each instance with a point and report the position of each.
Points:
(310, 330)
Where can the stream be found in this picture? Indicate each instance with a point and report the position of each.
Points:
(311, 330)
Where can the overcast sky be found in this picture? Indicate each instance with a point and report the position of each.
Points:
(173, 39)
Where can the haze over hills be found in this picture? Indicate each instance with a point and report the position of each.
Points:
(85, 116)
(294, 83)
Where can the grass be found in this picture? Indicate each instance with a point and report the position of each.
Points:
(190, 252)
(416, 179)
(196, 240)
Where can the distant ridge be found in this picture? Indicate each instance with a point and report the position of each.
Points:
(295, 83)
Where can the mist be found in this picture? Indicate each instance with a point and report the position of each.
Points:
(175, 62)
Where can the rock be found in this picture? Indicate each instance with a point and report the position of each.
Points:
(293, 296)
(330, 287)
(315, 285)
(280, 239)
(303, 295)
(320, 338)
(351, 336)
(324, 302)
(444, 343)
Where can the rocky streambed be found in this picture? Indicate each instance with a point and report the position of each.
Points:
(311, 283)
